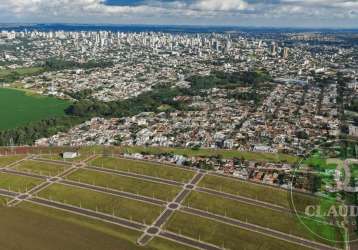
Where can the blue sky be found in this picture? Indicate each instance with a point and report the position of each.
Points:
(273, 13)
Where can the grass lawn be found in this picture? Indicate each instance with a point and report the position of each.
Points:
(20, 71)
(6, 160)
(41, 168)
(58, 157)
(145, 168)
(284, 222)
(256, 191)
(18, 108)
(160, 243)
(227, 154)
(320, 163)
(105, 203)
(14, 74)
(32, 227)
(127, 184)
(354, 173)
(3, 200)
(224, 235)
(58, 230)
(17, 183)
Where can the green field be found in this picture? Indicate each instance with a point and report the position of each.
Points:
(224, 235)
(268, 157)
(41, 168)
(226, 154)
(145, 168)
(6, 160)
(126, 184)
(58, 157)
(19, 108)
(58, 230)
(284, 222)
(255, 191)
(105, 203)
(10, 75)
(17, 183)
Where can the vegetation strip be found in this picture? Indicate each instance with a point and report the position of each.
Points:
(125, 184)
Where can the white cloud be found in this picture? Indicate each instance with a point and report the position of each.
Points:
(182, 11)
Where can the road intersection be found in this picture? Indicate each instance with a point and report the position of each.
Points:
(157, 228)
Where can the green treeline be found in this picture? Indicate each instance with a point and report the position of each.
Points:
(27, 135)
(162, 95)
(54, 64)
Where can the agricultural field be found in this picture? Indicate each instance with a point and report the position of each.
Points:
(144, 168)
(19, 108)
(41, 168)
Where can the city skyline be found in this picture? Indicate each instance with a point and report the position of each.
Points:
(252, 13)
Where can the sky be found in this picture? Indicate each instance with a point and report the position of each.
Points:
(257, 13)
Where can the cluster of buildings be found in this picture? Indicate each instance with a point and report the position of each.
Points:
(291, 119)
(294, 113)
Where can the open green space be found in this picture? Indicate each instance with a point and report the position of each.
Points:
(160, 243)
(3, 200)
(6, 160)
(284, 222)
(224, 235)
(10, 75)
(58, 157)
(126, 184)
(105, 203)
(354, 170)
(58, 230)
(226, 154)
(144, 168)
(40, 168)
(320, 163)
(32, 227)
(19, 108)
(17, 183)
(257, 191)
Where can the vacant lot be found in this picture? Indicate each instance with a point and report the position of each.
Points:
(284, 222)
(256, 191)
(48, 228)
(105, 203)
(151, 169)
(18, 108)
(127, 184)
(32, 227)
(257, 156)
(17, 183)
(40, 168)
(6, 160)
(58, 157)
(9, 75)
(224, 235)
